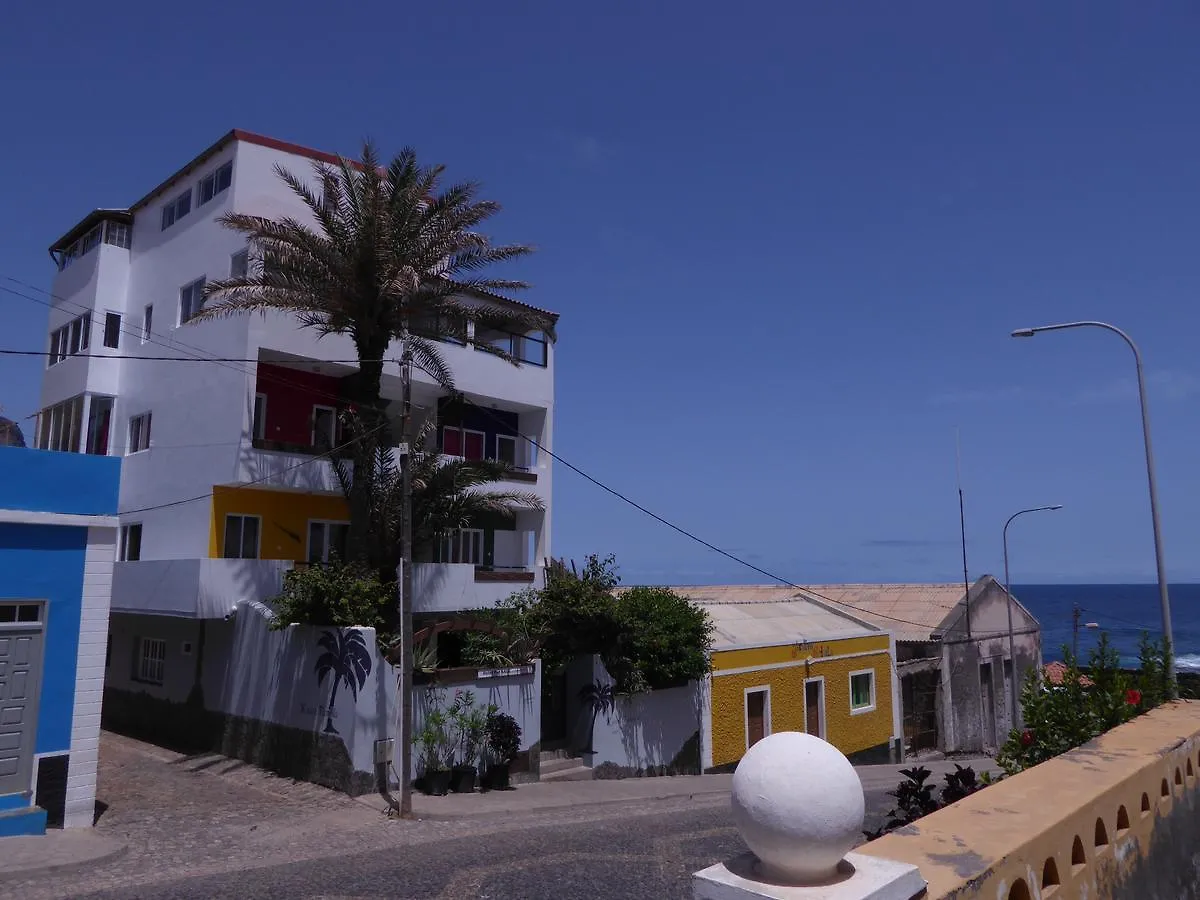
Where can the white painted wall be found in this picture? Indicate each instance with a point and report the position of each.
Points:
(80, 807)
(179, 669)
(202, 411)
(448, 587)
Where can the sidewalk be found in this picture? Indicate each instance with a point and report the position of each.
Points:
(58, 851)
(552, 795)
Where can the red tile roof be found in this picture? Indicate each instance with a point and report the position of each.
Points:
(1056, 673)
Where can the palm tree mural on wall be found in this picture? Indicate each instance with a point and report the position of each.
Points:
(346, 659)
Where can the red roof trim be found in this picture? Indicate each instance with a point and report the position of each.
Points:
(287, 147)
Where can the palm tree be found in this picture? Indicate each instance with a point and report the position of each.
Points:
(347, 659)
(390, 256)
(600, 698)
(447, 493)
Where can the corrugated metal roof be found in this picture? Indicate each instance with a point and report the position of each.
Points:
(912, 611)
(748, 616)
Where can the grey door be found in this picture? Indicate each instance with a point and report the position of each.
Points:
(20, 675)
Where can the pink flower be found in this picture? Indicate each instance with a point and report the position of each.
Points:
(1133, 697)
(1027, 737)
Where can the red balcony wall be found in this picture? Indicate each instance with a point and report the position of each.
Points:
(291, 395)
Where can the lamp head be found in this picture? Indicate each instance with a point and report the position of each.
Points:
(1024, 332)
(1056, 506)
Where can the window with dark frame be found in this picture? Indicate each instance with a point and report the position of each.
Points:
(258, 426)
(176, 209)
(147, 322)
(112, 330)
(191, 300)
(241, 537)
(139, 433)
(239, 264)
(129, 548)
(152, 657)
(862, 690)
(324, 427)
(214, 183)
(327, 540)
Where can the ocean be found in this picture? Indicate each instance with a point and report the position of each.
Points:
(1124, 611)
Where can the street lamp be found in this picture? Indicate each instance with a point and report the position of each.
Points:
(1164, 599)
(1012, 686)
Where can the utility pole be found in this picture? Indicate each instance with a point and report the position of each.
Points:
(406, 588)
(962, 527)
(1075, 633)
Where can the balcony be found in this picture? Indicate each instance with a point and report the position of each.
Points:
(450, 587)
(1115, 818)
(194, 588)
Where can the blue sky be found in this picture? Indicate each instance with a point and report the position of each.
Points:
(788, 243)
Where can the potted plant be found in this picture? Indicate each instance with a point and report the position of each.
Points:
(471, 723)
(503, 745)
(436, 750)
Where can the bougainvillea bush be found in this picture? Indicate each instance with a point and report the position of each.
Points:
(1087, 703)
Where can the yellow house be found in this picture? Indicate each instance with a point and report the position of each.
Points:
(784, 662)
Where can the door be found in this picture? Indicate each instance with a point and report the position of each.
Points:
(814, 707)
(756, 716)
(988, 693)
(20, 674)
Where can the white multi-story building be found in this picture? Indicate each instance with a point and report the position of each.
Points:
(222, 487)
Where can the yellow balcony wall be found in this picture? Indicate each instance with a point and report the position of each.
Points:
(284, 518)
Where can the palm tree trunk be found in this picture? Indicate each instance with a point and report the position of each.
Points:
(374, 433)
(329, 729)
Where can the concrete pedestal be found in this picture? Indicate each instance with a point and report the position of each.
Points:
(859, 878)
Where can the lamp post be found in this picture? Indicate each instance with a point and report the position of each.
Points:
(1164, 598)
(1012, 682)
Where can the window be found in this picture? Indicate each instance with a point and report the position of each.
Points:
(324, 427)
(60, 426)
(152, 653)
(462, 442)
(327, 540)
(862, 691)
(112, 330)
(259, 425)
(176, 209)
(241, 537)
(239, 264)
(99, 425)
(139, 433)
(129, 548)
(462, 545)
(20, 612)
(116, 233)
(191, 299)
(147, 321)
(72, 338)
(506, 449)
(215, 182)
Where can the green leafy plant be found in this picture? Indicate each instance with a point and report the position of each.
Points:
(1087, 703)
(436, 739)
(338, 594)
(915, 795)
(469, 723)
(503, 737)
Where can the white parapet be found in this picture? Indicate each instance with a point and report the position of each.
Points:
(799, 806)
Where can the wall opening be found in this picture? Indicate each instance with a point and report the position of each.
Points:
(1178, 776)
(1122, 819)
(1166, 788)
(1145, 803)
(1050, 874)
(1019, 891)
(1101, 833)
(1078, 859)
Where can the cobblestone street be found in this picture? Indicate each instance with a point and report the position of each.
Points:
(201, 827)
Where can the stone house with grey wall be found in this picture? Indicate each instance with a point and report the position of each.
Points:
(952, 656)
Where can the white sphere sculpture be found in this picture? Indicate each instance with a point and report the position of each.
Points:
(799, 806)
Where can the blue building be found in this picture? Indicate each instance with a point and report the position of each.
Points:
(58, 531)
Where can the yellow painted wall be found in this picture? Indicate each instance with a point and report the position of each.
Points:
(285, 516)
(849, 733)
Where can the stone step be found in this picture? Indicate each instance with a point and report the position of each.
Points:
(558, 753)
(559, 764)
(573, 773)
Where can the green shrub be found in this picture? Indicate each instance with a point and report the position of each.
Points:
(338, 594)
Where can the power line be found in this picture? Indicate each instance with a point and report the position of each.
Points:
(587, 477)
(185, 359)
(251, 483)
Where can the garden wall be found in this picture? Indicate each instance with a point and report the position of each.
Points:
(655, 733)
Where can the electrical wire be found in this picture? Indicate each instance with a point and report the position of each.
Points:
(212, 359)
(587, 477)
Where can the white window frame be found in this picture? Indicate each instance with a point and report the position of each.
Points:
(257, 535)
(123, 543)
(147, 321)
(516, 442)
(463, 432)
(243, 264)
(823, 721)
(457, 534)
(212, 177)
(258, 423)
(196, 303)
(859, 710)
(171, 213)
(332, 410)
(757, 689)
(152, 660)
(325, 525)
(129, 446)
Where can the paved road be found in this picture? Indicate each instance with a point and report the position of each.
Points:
(213, 828)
